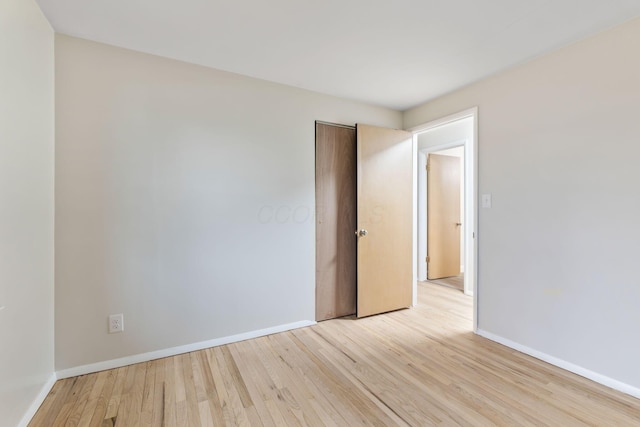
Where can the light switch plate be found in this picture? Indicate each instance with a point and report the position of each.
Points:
(486, 200)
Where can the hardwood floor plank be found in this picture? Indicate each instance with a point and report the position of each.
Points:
(233, 410)
(169, 415)
(266, 365)
(417, 367)
(72, 401)
(205, 414)
(63, 415)
(193, 409)
(159, 390)
(210, 392)
(237, 377)
(102, 403)
(431, 376)
(296, 372)
(131, 399)
(124, 396)
(181, 413)
(355, 404)
(364, 369)
(114, 399)
(92, 400)
(255, 390)
(148, 394)
(276, 414)
(199, 377)
(270, 361)
(53, 403)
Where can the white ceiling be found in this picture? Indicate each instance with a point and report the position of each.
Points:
(395, 53)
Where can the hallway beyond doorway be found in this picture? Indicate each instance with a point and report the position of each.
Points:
(455, 282)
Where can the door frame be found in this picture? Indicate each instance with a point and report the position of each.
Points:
(471, 200)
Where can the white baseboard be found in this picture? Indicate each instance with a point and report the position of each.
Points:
(145, 357)
(567, 366)
(33, 408)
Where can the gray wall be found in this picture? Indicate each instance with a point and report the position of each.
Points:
(558, 149)
(184, 200)
(26, 207)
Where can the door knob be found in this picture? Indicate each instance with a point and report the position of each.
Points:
(458, 224)
(361, 233)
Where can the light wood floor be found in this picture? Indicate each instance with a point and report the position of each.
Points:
(415, 367)
(456, 282)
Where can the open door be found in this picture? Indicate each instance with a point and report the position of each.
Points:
(385, 226)
(335, 221)
(443, 216)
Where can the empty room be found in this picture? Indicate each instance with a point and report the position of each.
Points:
(218, 213)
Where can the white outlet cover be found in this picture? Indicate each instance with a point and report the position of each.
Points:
(116, 323)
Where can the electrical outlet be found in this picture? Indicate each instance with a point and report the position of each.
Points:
(116, 323)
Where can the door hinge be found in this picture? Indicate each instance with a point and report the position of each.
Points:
(427, 259)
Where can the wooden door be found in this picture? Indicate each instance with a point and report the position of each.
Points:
(443, 216)
(335, 221)
(385, 206)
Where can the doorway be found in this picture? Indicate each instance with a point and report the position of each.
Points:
(454, 136)
(418, 140)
